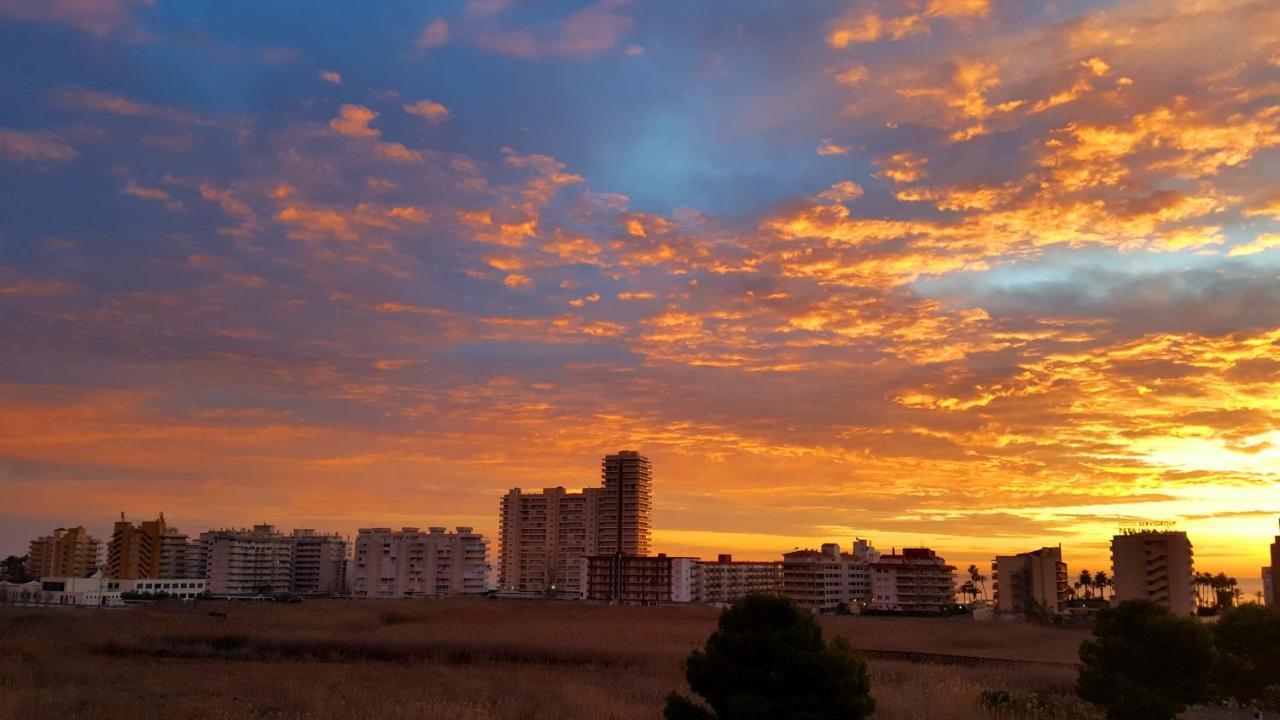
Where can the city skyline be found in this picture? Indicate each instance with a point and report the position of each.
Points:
(977, 275)
(566, 526)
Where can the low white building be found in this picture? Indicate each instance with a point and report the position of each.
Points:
(180, 588)
(89, 591)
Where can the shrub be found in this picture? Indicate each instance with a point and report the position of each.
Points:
(1145, 664)
(767, 660)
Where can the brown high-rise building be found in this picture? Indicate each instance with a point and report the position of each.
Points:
(319, 563)
(544, 536)
(626, 507)
(1156, 565)
(68, 552)
(1030, 581)
(149, 549)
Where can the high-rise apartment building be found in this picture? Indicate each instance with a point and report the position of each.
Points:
(410, 563)
(150, 549)
(1156, 565)
(319, 563)
(1029, 581)
(827, 579)
(68, 552)
(727, 580)
(626, 506)
(543, 536)
(257, 561)
(915, 581)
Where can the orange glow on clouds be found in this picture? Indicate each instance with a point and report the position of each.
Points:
(1022, 282)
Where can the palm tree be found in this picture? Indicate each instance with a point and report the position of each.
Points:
(1202, 580)
(1220, 591)
(978, 579)
(1101, 581)
(1086, 581)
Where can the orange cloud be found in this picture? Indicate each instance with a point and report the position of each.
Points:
(22, 146)
(590, 30)
(92, 100)
(353, 121)
(397, 151)
(435, 34)
(829, 148)
(96, 17)
(431, 111)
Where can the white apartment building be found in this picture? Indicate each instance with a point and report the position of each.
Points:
(543, 538)
(257, 561)
(827, 579)
(1156, 565)
(915, 581)
(727, 580)
(319, 563)
(410, 563)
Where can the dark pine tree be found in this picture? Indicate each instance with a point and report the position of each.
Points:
(768, 661)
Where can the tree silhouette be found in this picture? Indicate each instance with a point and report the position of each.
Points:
(1248, 640)
(1144, 663)
(1086, 582)
(14, 569)
(1102, 582)
(978, 579)
(767, 660)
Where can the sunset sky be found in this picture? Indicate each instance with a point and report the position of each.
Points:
(982, 275)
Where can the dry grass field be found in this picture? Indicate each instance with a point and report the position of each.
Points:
(473, 660)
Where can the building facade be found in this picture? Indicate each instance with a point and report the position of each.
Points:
(68, 552)
(257, 561)
(1156, 565)
(727, 580)
(828, 580)
(1029, 581)
(916, 580)
(180, 588)
(150, 549)
(626, 505)
(409, 563)
(543, 536)
(76, 591)
(639, 580)
(319, 563)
